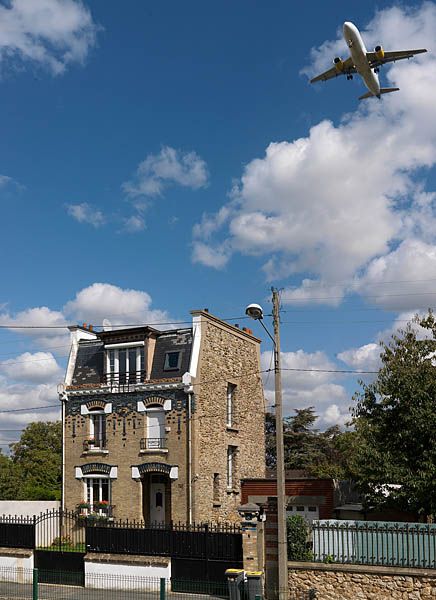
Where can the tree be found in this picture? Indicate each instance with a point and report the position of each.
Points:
(395, 421)
(36, 458)
(322, 454)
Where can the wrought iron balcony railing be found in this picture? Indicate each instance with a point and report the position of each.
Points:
(153, 444)
(95, 510)
(95, 444)
(124, 381)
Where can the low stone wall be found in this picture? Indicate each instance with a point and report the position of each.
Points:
(14, 558)
(352, 582)
(104, 570)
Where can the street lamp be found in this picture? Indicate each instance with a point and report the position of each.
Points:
(254, 311)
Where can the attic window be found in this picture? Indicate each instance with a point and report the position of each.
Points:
(172, 361)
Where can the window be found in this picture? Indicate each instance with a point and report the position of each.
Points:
(172, 361)
(155, 428)
(97, 492)
(97, 429)
(231, 389)
(231, 454)
(216, 487)
(124, 365)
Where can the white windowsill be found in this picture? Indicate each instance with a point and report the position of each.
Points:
(96, 451)
(154, 451)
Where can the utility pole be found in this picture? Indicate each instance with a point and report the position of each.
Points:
(280, 464)
(255, 311)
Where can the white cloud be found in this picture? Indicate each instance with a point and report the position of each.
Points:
(134, 224)
(39, 367)
(334, 416)
(50, 33)
(4, 180)
(304, 387)
(365, 358)
(210, 256)
(85, 213)
(20, 395)
(52, 336)
(327, 205)
(121, 306)
(410, 270)
(170, 166)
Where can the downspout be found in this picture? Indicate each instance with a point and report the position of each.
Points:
(189, 474)
(63, 399)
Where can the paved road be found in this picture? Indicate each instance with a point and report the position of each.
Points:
(19, 591)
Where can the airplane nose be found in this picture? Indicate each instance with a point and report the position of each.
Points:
(347, 27)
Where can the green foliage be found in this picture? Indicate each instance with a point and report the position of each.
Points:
(33, 470)
(320, 453)
(297, 535)
(395, 422)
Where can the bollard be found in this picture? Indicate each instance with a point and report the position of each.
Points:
(35, 585)
(162, 588)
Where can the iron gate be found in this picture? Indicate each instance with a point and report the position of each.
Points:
(60, 547)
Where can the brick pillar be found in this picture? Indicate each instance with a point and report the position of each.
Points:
(252, 537)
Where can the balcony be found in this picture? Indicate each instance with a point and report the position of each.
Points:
(101, 511)
(153, 445)
(123, 382)
(97, 445)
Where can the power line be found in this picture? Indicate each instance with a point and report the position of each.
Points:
(30, 408)
(243, 317)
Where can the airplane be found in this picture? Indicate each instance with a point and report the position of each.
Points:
(366, 64)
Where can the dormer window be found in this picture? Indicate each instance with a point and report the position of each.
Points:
(125, 363)
(172, 361)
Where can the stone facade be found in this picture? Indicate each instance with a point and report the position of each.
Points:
(227, 355)
(355, 582)
(192, 468)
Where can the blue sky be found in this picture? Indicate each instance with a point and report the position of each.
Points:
(160, 157)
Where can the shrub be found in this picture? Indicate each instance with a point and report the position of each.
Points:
(297, 532)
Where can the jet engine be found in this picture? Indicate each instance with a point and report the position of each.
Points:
(379, 52)
(339, 64)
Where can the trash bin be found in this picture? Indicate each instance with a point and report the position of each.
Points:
(254, 584)
(235, 577)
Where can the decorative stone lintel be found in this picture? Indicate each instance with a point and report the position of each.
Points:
(363, 569)
(123, 559)
(16, 552)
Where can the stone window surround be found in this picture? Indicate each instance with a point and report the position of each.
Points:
(171, 470)
(108, 471)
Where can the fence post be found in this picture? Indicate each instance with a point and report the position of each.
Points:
(35, 585)
(162, 588)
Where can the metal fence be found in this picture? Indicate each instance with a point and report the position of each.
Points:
(24, 584)
(17, 532)
(176, 540)
(374, 543)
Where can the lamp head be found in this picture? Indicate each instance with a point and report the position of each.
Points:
(254, 311)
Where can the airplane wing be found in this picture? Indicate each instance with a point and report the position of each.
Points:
(388, 57)
(347, 69)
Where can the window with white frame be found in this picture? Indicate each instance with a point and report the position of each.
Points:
(155, 427)
(231, 466)
(97, 429)
(125, 365)
(97, 492)
(230, 410)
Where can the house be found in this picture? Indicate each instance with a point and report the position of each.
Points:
(161, 426)
(307, 496)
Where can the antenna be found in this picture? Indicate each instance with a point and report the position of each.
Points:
(107, 325)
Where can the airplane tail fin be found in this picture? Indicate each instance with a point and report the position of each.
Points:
(382, 91)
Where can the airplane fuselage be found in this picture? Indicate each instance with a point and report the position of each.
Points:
(358, 54)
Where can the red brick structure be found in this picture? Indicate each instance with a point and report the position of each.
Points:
(310, 497)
